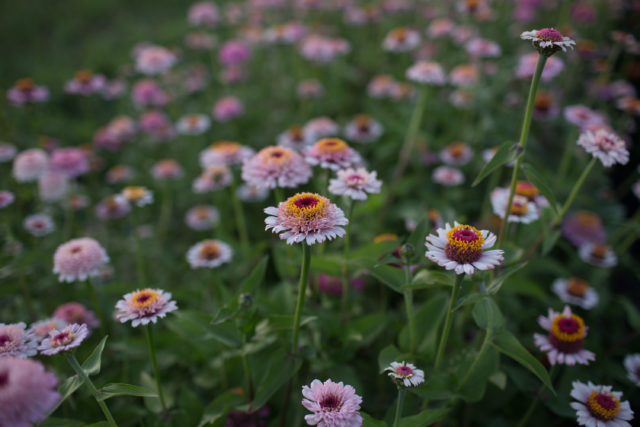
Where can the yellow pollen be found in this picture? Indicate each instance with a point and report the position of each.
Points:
(385, 237)
(307, 205)
(457, 149)
(599, 410)
(209, 250)
(226, 147)
(577, 287)
(565, 336)
(526, 189)
(144, 298)
(461, 244)
(331, 145)
(520, 206)
(25, 83)
(133, 193)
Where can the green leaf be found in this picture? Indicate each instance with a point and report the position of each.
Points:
(326, 265)
(499, 379)
(505, 154)
(280, 368)
(390, 276)
(487, 315)
(388, 354)
(427, 278)
(633, 315)
(471, 298)
(219, 407)
(61, 422)
(256, 277)
(424, 418)
(374, 251)
(417, 237)
(550, 241)
(121, 389)
(508, 344)
(284, 322)
(497, 283)
(541, 184)
(91, 365)
(369, 421)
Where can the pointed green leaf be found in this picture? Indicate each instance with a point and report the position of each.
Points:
(505, 154)
(497, 283)
(427, 278)
(390, 276)
(91, 366)
(369, 421)
(424, 418)
(219, 407)
(508, 344)
(121, 389)
(256, 277)
(550, 241)
(279, 370)
(487, 315)
(541, 184)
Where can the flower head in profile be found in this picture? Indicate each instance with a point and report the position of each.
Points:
(405, 374)
(6, 198)
(39, 224)
(447, 176)
(74, 312)
(521, 209)
(113, 207)
(332, 404)
(212, 179)
(306, 217)
(425, 72)
(86, 83)
(152, 60)
(144, 306)
(463, 248)
(276, 166)
(575, 291)
(363, 129)
(202, 217)
(30, 165)
(70, 161)
(564, 343)
(632, 365)
(227, 108)
(401, 39)
(16, 341)
(166, 170)
(79, 259)
(137, 195)
(252, 194)
(209, 254)
(65, 339)
(53, 187)
(224, 153)
(599, 406)
(27, 392)
(584, 227)
(598, 254)
(332, 153)
(296, 138)
(608, 147)
(548, 41)
(456, 154)
(193, 124)
(355, 183)
(25, 91)
(42, 328)
(321, 127)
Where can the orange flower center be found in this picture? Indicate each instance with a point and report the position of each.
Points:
(526, 189)
(331, 145)
(603, 405)
(83, 76)
(25, 84)
(577, 287)
(307, 205)
(144, 298)
(134, 193)
(209, 250)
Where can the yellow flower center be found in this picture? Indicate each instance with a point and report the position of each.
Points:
(603, 405)
(567, 328)
(577, 287)
(399, 34)
(457, 149)
(543, 101)
(209, 250)
(465, 238)
(599, 250)
(276, 155)
(227, 148)
(526, 189)
(588, 219)
(331, 145)
(520, 206)
(83, 76)
(307, 205)
(134, 193)
(144, 298)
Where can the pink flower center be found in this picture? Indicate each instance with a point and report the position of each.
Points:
(76, 249)
(605, 401)
(404, 371)
(355, 180)
(466, 235)
(4, 339)
(568, 325)
(606, 142)
(550, 34)
(306, 202)
(63, 338)
(143, 298)
(331, 403)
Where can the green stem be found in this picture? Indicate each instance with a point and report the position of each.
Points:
(142, 280)
(410, 137)
(472, 368)
(241, 224)
(396, 420)
(96, 306)
(408, 302)
(524, 136)
(566, 158)
(529, 412)
(278, 193)
(345, 265)
(247, 373)
(302, 289)
(574, 191)
(447, 321)
(154, 363)
(92, 388)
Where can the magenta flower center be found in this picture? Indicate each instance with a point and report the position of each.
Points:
(606, 142)
(63, 338)
(143, 298)
(568, 325)
(4, 339)
(76, 249)
(605, 401)
(331, 403)
(550, 34)
(4, 378)
(404, 371)
(465, 235)
(355, 180)
(306, 202)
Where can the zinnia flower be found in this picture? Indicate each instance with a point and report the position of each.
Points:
(463, 248)
(73, 312)
(52, 187)
(565, 341)
(212, 179)
(355, 183)
(65, 339)
(521, 209)
(405, 374)
(447, 176)
(7, 152)
(6, 198)
(42, 328)
(583, 227)
(86, 83)
(30, 165)
(275, 167)
(401, 40)
(605, 145)
(306, 217)
(27, 392)
(575, 291)
(152, 60)
(227, 108)
(113, 207)
(321, 127)
(632, 364)
(137, 195)
(548, 41)
(25, 91)
(296, 138)
(39, 225)
(193, 124)
(224, 153)
(598, 406)
(144, 306)
(16, 341)
(456, 154)
(167, 169)
(70, 161)
(209, 254)
(363, 129)
(202, 217)
(598, 254)
(584, 117)
(79, 259)
(332, 404)
(332, 153)
(425, 72)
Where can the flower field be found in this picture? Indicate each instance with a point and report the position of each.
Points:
(335, 213)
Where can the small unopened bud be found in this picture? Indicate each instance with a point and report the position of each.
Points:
(407, 251)
(245, 300)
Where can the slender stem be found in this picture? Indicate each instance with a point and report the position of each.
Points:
(410, 136)
(92, 388)
(408, 302)
(302, 289)
(241, 224)
(396, 420)
(247, 373)
(345, 265)
(447, 321)
(574, 191)
(154, 363)
(566, 158)
(474, 365)
(524, 136)
(142, 279)
(530, 410)
(96, 306)
(278, 193)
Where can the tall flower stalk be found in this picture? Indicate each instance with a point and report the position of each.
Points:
(302, 290)
(400, 403)
(447, 321)
(154, 363)
(411, 135)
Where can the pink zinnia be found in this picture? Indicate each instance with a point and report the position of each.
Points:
(30, 165)
(74, 312)
(7, 152)
(527, 65)
(158, 125)
(146, 92)
(584, 117)
(321, 127)
(584, 227)
(79, 259)
(332, 153)
(275, 167)
(144, 306)
(152, 60)
(52, 187)
(227, 108)
(234, 52)
(204, 13)
(167, 169)
(425, 72)
(6, 198)
(482, 48)
(27, 392)
(306, 217)
(113, 207)
(25, 91)
(65, 339)
(332, 404)
(202, 217)
(70, 161)
(16, 341)
(564, 343)
(224, 153)
(355, 183)
(86, 83)
(608, 147)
